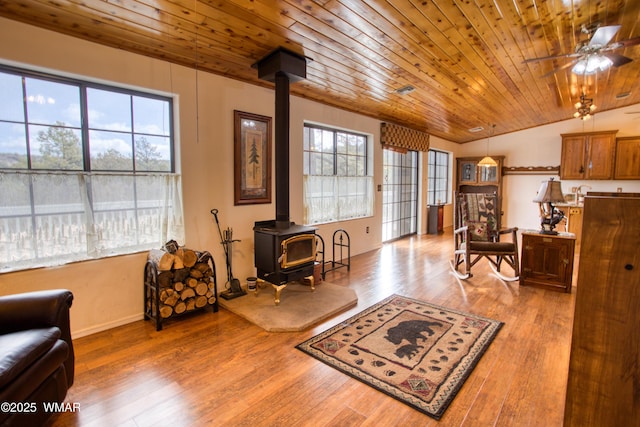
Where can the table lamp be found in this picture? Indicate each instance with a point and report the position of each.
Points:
(550, 192)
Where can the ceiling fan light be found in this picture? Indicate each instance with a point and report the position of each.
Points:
(580, 67)
(605, 63)
(593, 63)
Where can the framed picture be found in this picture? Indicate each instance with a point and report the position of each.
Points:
(252, 158)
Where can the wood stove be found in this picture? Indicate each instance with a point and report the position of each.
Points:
(284, 254)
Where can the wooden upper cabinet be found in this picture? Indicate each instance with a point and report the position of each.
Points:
(573, 157)
(627, 158)
(588, 155)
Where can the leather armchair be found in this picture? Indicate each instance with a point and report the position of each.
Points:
(36, 355)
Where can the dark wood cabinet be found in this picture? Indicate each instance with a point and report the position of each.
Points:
(547, 260)
(588, 155)
(604, 372)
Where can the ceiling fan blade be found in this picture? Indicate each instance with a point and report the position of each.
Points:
(618, 60)
(624, 43)
(603, 35)
(545, 58)
(555, 70)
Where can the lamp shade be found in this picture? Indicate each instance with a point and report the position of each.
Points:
(487, 162)
(550, 192)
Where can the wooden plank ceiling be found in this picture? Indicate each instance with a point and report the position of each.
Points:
(464, 58)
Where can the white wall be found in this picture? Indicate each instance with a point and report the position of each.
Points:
(108, 292)
(542, 146)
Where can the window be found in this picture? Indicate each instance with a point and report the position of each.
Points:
(438, 177)
(86, 171)
(337, 186)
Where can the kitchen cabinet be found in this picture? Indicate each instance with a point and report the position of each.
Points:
(573, 219)
(627, 158)
(602, 386)
(588, 155)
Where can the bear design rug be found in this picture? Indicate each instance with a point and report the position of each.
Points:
(416, 352)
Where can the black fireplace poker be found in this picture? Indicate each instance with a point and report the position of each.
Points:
(234, 289)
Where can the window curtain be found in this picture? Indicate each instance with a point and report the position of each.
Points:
(400, 138)
(337, 198)
(51, 218)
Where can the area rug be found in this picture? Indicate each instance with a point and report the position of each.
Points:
(298, 310)
(416, 352)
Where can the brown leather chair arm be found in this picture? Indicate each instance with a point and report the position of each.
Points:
(35, 310)
(40, 309)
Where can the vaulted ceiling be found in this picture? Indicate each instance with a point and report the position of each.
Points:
(465, 59)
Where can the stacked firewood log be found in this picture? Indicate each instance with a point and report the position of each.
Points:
(184, 280)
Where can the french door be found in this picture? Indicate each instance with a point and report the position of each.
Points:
(399, 194)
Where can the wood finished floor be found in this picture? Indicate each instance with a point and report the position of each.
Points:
(218, 369)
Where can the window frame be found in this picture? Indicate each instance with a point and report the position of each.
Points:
(135, 202)
(362, 173)
(85, 128)
(433, 176)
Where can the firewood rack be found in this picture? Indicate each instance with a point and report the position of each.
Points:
(342, 242)
(158, 283)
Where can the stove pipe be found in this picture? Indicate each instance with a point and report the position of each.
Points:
(282, 67)
(282, 150)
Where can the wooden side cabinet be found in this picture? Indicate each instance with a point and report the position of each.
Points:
(547, 260)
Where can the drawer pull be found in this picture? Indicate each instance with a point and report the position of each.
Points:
(628, 267)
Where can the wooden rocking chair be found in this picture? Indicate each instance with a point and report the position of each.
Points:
(477, 234)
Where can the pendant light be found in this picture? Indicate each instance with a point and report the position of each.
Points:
(487, 161)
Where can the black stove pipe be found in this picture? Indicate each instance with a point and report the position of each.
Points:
(282, 110)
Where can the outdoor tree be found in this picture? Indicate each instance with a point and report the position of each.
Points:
(148, 158)
(111, 159)
(60, 148)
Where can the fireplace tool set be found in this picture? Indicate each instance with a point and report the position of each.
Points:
(234, 289)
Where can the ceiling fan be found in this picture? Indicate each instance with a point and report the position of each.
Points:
(594, 54)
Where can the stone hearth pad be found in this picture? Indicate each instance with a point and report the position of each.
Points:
(299, 308)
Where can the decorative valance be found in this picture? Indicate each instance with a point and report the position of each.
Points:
(396, 137)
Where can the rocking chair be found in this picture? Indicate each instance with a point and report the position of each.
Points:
(477, 234)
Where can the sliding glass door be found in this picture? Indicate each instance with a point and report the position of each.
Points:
(399, 194)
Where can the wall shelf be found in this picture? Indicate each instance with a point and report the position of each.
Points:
(530, 170)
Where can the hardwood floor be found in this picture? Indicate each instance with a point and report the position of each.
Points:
(218, 369)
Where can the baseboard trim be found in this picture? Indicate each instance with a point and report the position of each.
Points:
(104, 326)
